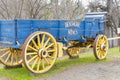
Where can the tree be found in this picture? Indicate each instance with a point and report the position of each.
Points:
(113, 9)
(41, 9)
(11, 9)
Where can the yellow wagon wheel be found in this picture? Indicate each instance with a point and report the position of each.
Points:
(73, 52)
(10, 56)
(100, 47)
(39, 52)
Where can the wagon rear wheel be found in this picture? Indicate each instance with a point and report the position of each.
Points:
(73, 52)
(100, 47)
(39, 52)
(10, 56)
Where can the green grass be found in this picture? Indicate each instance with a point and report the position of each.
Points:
(60, 65)
(114, 52)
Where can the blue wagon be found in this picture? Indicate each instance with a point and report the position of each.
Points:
(37, 43)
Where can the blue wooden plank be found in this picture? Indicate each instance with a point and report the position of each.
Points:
(7, 31)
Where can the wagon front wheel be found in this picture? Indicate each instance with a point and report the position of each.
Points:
(39, 52)
(10, 57)
(100, 47)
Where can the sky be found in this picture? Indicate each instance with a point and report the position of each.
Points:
(85, 2)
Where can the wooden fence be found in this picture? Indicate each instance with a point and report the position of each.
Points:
(110, 33)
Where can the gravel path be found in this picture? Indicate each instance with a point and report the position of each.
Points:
(94, 71)
(4, 78)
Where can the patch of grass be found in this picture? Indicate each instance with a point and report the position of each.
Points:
(16, 74)
(60, 65)
(115, 51)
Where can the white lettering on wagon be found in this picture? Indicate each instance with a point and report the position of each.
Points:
(72, 32)
(72, 24)
(71, 27)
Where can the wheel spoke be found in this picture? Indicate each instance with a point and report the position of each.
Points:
(35, 44)
(99, 52)
(51, 57)
(104, 52)
(99, 42)
(3, 49)
(46, 61)
(32, 59)
(50, 45)
(8, 57)
(51, 62)
(43, 38)
(32, 48)
(100, 55)
(46, 42)
(105, 42)
(43, 65)
(38, 65)
(12, 58)
(31, 53)
(38, 40)
(50, 51)
(5, 54)
(35, 61)
(98, 48)
(16, 58)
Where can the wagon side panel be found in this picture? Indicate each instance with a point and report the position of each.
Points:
(50, 26)
(7, 33)
(24, 29)
(27, 27)
(94, 25)
(71, 30)
(91, 27)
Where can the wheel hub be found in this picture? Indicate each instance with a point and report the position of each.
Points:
(103, 46)
(42, 53)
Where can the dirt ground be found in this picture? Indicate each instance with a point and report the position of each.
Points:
(93, 71)
(4, 78)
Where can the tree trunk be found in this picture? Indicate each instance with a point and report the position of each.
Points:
(109, 5)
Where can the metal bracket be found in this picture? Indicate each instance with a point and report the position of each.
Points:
(18, 43)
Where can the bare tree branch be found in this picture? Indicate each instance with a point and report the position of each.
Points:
(6, 8)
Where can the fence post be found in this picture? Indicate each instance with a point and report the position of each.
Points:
(118, 31)
(119, 42)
